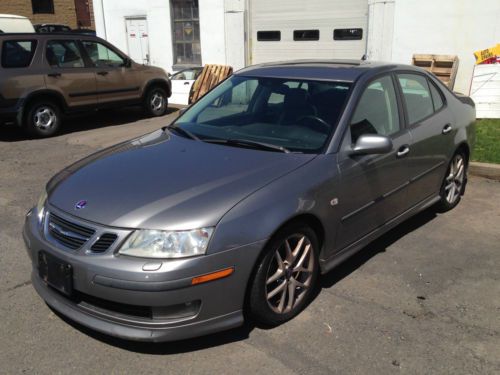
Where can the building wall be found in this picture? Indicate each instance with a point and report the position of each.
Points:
(455, 27)
(64, 11)
(110, 25)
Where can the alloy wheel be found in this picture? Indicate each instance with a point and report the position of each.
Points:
(455, 179)
(290, 273)
(44, 117)
(156, 102)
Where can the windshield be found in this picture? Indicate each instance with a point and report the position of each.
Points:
(289, 114)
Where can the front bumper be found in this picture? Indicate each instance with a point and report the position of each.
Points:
(109, 288)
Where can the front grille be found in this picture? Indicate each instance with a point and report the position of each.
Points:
(67, 233)
(104, 242)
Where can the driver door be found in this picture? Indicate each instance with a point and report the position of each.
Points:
(373, 187)
(115, 81)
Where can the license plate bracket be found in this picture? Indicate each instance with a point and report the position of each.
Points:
(55, 272)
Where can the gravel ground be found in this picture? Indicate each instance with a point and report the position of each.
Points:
(424, 298)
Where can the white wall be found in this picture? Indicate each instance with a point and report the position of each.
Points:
(455, 27)
(112, 26)
(213, 17)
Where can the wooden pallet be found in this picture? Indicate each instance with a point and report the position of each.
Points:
(443, 67)
(209, 77)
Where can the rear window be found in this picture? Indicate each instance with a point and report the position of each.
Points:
(17, 53)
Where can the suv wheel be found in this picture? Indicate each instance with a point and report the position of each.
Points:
(156, 102)
(285, 276)
(454, 182)
(43, 118)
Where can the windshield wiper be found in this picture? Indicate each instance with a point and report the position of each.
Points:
(251, 144)
(184, 132)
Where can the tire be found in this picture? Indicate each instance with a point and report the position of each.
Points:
(271, 307)
(156, 102)
(453, 186)
(42, 119)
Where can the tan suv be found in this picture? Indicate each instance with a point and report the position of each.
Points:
(46, 76)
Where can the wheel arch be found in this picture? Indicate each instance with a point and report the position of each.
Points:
(51, 95)
(157, 82)
(312, 221)
(465, 148)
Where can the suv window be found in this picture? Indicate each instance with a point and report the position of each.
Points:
(101, 55)
(17, 53)
(417, 96)
(377, 110)
(64, 54)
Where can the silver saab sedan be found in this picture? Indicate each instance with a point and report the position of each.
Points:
(274, 177)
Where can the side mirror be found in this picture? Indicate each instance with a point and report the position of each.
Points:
(372, 144)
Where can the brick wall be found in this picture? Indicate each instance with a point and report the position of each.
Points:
(64, 12)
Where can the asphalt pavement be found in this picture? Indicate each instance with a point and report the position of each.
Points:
(423, 299)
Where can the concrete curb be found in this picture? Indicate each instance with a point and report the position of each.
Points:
(487, 170)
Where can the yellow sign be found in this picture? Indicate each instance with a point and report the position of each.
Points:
(486, 54)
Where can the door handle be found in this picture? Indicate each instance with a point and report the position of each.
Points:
(54, 75)
(447, 128)
(103, 73)
(403, 151)
(186, 83)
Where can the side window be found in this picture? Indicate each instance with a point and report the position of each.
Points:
(377, 110)
(17, 53)
(64, 54)
(436, 97)
(188, 74)
(417, 96)
(102, 56)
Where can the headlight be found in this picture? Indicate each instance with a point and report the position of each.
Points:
(40, 206)
(167, 244)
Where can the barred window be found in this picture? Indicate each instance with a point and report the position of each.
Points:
(186, 32)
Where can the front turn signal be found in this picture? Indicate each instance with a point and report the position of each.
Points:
(212, 276)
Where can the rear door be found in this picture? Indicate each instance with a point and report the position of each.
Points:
(115, 80)
(69, 73)
(374, 187)
(431, 129)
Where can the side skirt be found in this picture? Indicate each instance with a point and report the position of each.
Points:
(327, 265)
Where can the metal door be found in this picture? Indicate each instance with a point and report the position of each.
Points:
(138, 39)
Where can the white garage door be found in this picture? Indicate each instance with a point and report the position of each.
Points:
(298, 29)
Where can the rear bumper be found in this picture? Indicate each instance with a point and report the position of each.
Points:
(117, 281)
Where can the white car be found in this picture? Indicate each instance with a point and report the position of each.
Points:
(182, 81)
(10, 23)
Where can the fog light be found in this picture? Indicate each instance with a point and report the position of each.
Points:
(180, 311)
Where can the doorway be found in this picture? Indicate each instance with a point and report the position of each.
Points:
(138, 39)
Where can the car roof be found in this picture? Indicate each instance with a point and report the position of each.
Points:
(63, 35)
(2, 15)
(325, 70)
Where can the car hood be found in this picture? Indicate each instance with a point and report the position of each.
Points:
(164, 181)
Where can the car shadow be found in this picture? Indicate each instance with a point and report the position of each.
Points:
(328, 280)
(84, 122)
(378, 246)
